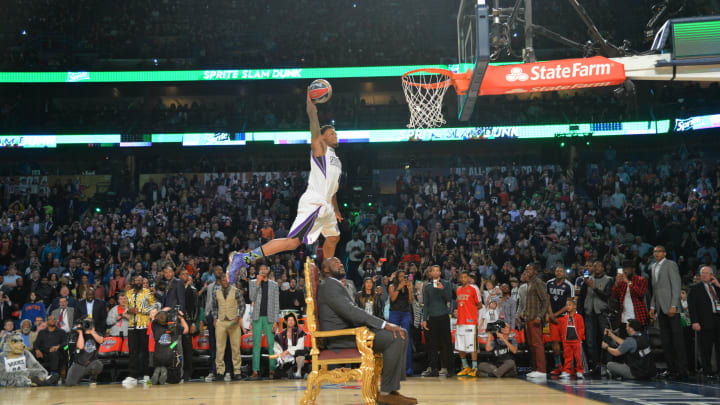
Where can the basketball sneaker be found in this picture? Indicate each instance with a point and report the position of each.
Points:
(580, 375)
(472, 373)
(237, 262)
(557, 371)
(565, 375)
(464, 372)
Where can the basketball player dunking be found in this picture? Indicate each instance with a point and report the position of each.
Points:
(317, 209)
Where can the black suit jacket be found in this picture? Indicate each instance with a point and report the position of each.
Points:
(700, 305)
(6, 312)
(175, 294)
(99, 314)
(336, 310)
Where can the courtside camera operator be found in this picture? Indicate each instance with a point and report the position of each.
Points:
(86, 353)
(638, 364)
(503, 348)
(167, 328)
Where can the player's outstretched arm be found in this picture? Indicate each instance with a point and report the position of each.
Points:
(313, 117)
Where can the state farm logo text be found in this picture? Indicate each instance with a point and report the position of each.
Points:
(576, 70)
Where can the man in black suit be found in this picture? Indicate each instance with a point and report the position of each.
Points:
(174, 291)
(704, 307)
(337, 310)
(90, 307)
(5, 308)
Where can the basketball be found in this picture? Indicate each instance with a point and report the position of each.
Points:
(320, 91)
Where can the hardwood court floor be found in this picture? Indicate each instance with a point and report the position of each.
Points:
(427, 390)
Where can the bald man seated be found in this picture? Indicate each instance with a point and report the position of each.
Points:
(337, 310)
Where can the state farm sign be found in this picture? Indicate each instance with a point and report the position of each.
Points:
(556, 75)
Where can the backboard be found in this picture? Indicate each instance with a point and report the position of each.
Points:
(473, 37)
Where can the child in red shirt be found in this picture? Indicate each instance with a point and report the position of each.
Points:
(572, 328)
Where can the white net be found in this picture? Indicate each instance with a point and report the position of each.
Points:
(424, 92)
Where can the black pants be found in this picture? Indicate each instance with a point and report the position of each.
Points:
(709, 335)
(673, 342)
(440, 341)
(211, 332)
(187, 357)
(138, 356)
(692, 358)
(53, 361)
(595, 325)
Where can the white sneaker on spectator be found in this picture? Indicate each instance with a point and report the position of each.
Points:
(228, 377)
(443, 372)
(130, 381)
(580, 376)
(536, 375)
(210, 377)
(297, 376)
(564, 375)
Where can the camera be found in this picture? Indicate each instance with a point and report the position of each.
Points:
(495, 327)
(84, 324)
(609, 340)
(173, 314)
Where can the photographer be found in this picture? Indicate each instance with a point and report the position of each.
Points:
(86, 354)
(167, 329)
(503, 347)
(638, 365)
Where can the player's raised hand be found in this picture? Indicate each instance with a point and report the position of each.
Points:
(311, 107)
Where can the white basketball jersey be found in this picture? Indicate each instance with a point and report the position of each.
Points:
(324, 175)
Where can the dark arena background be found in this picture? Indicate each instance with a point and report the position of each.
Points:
(528, 198)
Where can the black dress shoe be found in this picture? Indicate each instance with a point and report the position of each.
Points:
(664, 375)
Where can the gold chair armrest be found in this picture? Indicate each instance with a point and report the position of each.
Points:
(339, 332)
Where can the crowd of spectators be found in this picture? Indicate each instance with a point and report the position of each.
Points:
(491, 225)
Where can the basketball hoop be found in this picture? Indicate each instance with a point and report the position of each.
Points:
(424, 91)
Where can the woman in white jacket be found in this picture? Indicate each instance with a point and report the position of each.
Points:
(117, 318)
(290, 347)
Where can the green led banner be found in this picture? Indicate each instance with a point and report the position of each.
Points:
(699, 39)
(217, 75)
(207, 75)
(355, 136)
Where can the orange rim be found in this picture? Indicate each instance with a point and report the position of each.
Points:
(439, 85)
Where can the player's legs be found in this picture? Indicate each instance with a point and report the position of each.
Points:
(555, 338)
(465, 342)
(280, 245)
(330, 245)
(306, 228)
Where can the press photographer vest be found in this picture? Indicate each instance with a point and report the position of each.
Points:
(640, 362)
(501, 352)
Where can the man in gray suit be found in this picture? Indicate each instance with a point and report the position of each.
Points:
(65, 315)
(337, 310)
(664, 306)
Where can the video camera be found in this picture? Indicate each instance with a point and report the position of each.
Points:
(83, 324)
(173, 314)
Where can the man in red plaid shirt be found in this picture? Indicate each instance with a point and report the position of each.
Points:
(630, 290)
